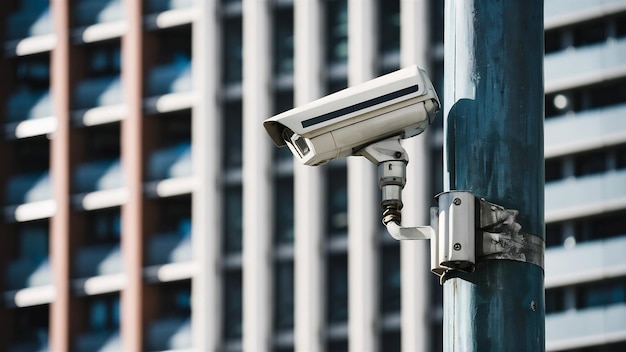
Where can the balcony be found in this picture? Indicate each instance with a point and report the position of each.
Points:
(89, 12)
(169, 334)
(29, 113)
(587, 130)
(584, 196)
(170, 78)
(99, 341)
(29, 197)
(171, 247)
(590, 64)
(587, 261)
(98, 260)
(153, 6)
(99, 184)
(25, 273)
(170, 171)
(99, 92)
(40, 345)
(33, 19)
(169, 86)
(585, 327)
(563, 12)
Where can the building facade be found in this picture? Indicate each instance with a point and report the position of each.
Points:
(145, 207)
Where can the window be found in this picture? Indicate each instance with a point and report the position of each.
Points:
(337, 31)
(32, 154)
(103, 59)
(590, 33)
(232, 142)
(391, 341)
(554, 169)
(232, 51)
(103, 313)
(32, 72)
(233, 228)
(554, 234)
(607, 94)
(336, 201)
(337, 288)
(31, 326)
(175, 299)
(620, 157)
(104, 226)
(590, 163)
(555, 300)
(283, 41)
(233, 300)
(601, 294)
(603, 226)
(390, 275)
(552, 41)
(175, 215)
(283, 213)
(388, 26)
(284, 296)
(102, 142)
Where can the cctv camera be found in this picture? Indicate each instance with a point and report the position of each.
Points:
(402, 103)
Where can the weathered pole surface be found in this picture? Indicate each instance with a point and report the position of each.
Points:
(493, 108)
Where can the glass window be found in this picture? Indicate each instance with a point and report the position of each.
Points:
(33, 241)
(608, 94)
(102, 142)
(554, 300)
(590, 163)
(103, 59)
(232, 141)
(31, 326)
(620, 26)
(283, 214)
(554, 169)
(32, 154)
(391, 341)
(552, 41)
(233, 301)
(337, 31)
(32, 72)
(554, 234)
(232, 51)
(284, 296)
(337, 288)
(620, 157)
(283, 41)
(174, 129)
(233, 226)
(388, 26)
(103, 312)
(339, 345)
(390, 275)
(601, 294)
(337, 201)
(104, 226)
(175, 299)
(590, 33)
(175, 215)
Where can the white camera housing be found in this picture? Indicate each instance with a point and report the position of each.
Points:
(402, 103)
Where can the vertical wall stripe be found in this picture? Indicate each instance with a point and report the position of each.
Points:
(363, 214)
(257, 178)
(415, 255)
(206, 200)
(132, 239)
(309, 278)
(60, 334)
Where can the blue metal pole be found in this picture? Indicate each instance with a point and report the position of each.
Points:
(493, 108)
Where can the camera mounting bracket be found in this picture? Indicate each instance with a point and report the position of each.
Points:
(464, 230)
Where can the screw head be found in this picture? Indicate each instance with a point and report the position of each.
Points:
(398, 155)
(457, 246)
(457, 201)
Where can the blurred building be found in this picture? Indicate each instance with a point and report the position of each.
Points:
(145, 208)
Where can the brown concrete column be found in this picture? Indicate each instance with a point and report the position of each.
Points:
(132, 314)
(60, 239)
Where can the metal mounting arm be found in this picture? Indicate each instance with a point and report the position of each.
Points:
(464, 230)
